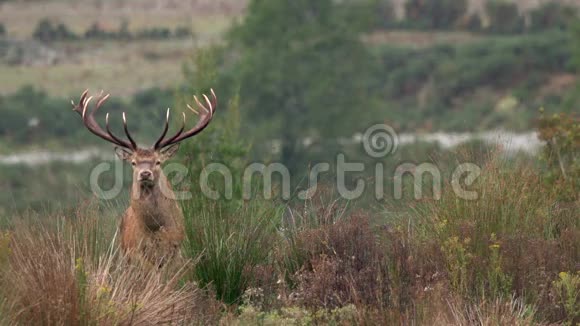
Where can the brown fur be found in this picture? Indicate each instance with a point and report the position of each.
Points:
(152, 227)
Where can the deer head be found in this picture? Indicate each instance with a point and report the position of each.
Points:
(146, 162)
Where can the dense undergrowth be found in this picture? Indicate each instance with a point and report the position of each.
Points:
(509, 257)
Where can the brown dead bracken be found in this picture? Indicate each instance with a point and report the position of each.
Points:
(152, 227)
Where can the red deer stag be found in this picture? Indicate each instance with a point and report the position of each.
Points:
(152, 227)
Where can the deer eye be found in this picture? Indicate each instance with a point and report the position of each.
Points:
(158, 163)
(133, 163)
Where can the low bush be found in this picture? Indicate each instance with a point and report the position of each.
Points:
(504, 17)
(561, 132)
(551, 15)
(47, 31)
(344, 265)
(97, 31)
(514, 239)
(567, 292)
(435, 14)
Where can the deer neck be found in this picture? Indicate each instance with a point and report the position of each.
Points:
(154, 205)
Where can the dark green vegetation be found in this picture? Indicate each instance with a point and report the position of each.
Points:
(509, 257)
(297, 72)
(497, 17)
(47, 31)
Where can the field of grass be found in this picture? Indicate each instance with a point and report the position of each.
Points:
(508, 258)
(208, 18)
(121, 67)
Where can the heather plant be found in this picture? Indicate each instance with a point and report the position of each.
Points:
(561, 132)
(499, 282)
(312, 214)
(458, 259)
(331, 257)
(567, 288)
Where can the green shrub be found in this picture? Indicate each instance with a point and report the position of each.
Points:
(435, 14)
(474, 23)
(508, 241)
(183, 32)
(561, 132)
(384, 12)
(47, 31)
(551, 15)
(567, 289)
(2, 30)
(504, 17)
(154, 33)
(95, 31)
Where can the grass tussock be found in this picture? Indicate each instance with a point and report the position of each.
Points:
(488, 313)
(52, 279)
(229, 243)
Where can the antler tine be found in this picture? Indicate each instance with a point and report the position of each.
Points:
(79, 108)
(88, 117)
(168, 141)
(192, 109)
(165, 129)
(127, 132)
(85, 105)
(201, 105)
(117, 140)
(208, 102)
(206, 117)
(102, 99)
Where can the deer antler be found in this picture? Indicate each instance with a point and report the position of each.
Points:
(89, 121)
(206, 115)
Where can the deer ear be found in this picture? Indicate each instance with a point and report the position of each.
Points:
(168, 152)
(123, 153)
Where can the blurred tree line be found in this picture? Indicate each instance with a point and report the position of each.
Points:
(499, 16)
(305, 79)
(48, 31)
